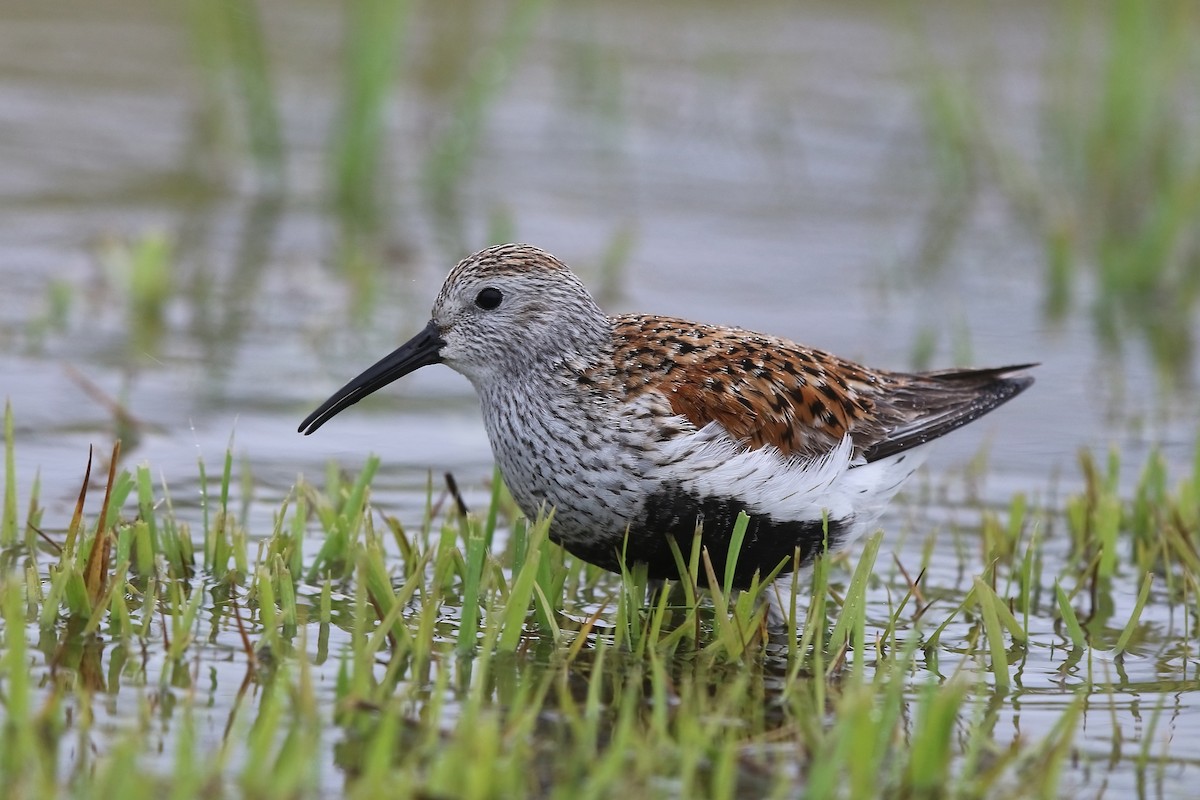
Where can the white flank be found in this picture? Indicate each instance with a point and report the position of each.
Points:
(709, 463)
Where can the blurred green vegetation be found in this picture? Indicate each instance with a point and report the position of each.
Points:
(372, 49)
(484, 74)
(1113, 190)
(1122, 171)
(140, 274)
(229, 44)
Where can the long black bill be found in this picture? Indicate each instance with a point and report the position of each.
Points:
(423, 349)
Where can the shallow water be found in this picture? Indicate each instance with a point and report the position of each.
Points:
(771, 169)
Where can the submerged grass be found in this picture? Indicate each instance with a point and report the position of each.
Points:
(340, 651)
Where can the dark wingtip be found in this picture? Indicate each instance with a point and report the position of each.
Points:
(1008, 372)
(1022, 382)
(1014, 373)
(971, 394)
(1016, 379)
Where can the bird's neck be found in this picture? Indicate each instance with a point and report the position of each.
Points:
(551, 391)
(560, 442)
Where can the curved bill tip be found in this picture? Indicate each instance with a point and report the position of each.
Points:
(423, 349)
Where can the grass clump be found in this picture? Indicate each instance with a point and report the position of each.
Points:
(341, 651)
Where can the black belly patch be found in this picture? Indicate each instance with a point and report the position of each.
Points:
(673, 515)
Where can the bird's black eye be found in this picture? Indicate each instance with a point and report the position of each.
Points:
(488, 298)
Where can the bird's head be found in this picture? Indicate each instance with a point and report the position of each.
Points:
(504, 311)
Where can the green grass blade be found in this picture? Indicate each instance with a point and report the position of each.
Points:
(8, 525)
(852, 618)
(737, 537)
(1132, 624)
(468, 631)
(521, 596)
(1070, 620)
(988, 604)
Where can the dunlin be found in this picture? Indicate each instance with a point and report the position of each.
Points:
(636, 429)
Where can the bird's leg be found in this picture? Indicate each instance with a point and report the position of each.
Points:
(779, 598)
(777, 610)
(654, 587)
